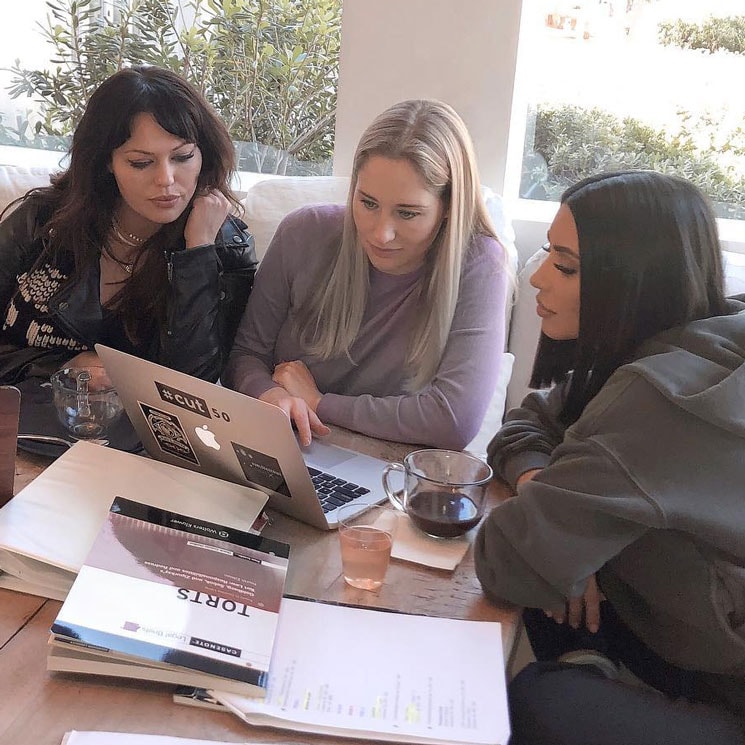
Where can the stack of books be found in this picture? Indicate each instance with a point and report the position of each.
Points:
(167, 597)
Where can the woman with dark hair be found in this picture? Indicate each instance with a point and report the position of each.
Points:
(133, 245)
(629, 517)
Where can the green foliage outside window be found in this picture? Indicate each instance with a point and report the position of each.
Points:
(269, 67)
(713, 35)
(568, 143)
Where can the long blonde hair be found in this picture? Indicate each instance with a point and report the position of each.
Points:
(434, 140)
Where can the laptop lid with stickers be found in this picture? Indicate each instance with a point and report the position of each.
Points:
(211, 429)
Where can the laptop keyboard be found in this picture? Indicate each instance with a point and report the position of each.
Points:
(333, 492)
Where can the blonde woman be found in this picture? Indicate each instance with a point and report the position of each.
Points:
(384, 316)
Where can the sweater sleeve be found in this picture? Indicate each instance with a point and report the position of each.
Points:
(529, 435)
(539, 548)
(448, 412)
(251, 361)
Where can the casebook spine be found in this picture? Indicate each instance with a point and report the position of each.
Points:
(61, 661)
(134, 650)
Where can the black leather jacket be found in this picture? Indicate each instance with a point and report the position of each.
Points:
(209, 289)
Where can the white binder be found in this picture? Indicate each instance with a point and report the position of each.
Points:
(47, 529)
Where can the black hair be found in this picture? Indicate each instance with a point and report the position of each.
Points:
(650, 260)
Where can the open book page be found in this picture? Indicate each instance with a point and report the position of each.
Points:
(55, 519)
(387, 676)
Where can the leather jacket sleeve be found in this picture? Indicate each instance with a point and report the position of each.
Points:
(209, 288)
(20, 247)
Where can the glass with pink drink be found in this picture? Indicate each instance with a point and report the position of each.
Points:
(366, 537)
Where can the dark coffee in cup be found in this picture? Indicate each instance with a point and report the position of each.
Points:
(443, 491)
(442, 514)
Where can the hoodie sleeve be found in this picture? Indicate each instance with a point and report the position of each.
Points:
(538, 548)
(584, 508)
(529, 435)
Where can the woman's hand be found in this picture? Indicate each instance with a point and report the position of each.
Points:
(305, 419)
(208, 212)
(527, 476)
(587, 605)
(298, 381)
(91, 362)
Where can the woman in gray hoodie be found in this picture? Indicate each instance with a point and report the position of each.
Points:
(629, 516)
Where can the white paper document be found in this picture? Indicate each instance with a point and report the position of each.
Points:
(359, 672)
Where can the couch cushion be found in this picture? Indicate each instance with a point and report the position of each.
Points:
(524, 332)
(15, 181)
(267, 202)
(734, 273)
(495, 413)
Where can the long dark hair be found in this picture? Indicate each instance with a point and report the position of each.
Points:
(650, 260)
(83, 198)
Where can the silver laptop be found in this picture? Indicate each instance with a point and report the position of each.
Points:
(205, 427)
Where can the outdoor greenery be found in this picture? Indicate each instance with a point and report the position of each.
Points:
(269, 67)
(569, 143)
(713, 35)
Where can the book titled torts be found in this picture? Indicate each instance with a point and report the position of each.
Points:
(163, 596)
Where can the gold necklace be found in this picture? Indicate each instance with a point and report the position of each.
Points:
(128, 239)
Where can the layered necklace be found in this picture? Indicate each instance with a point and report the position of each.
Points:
(127, 239)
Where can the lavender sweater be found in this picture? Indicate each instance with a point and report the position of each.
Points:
(369, 395)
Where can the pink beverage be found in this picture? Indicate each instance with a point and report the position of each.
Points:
(365, 554)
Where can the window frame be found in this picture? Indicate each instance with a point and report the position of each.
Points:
(494, 104)
(532, 217)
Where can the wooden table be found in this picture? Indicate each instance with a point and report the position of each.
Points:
(37, 708)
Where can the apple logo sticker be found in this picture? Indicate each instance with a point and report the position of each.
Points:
(207, 437)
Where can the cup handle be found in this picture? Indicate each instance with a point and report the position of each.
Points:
(394, 497)
(84, 406)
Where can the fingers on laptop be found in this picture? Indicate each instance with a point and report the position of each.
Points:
(305, 419)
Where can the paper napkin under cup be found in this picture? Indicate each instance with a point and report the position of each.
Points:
(411, 544)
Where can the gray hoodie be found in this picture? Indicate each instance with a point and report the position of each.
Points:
(646, 489)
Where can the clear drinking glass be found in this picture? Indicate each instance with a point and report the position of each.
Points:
(366, 540)
(443, 492)
(85, 401)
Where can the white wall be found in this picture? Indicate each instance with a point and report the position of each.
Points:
(460, 52)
